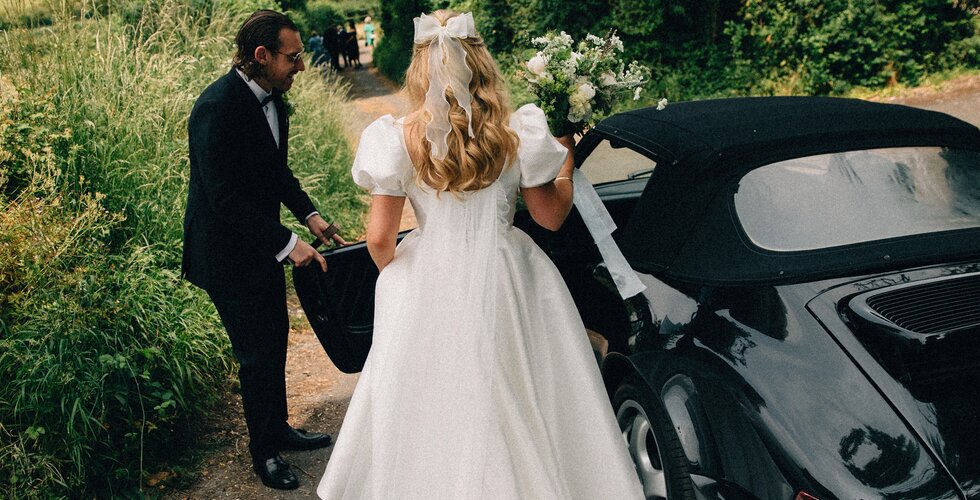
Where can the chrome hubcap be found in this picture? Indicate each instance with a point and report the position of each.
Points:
(638, 433)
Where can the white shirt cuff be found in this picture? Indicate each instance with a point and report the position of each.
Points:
(311, 215)
(289, 248)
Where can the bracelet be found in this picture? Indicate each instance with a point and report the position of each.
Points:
(564, 178)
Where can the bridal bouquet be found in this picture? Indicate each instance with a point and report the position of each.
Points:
(577, 84)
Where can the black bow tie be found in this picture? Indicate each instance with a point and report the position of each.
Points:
(267, 100)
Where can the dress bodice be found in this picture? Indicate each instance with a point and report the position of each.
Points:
(383, 166)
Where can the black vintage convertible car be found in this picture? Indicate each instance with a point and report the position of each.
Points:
(811, 323)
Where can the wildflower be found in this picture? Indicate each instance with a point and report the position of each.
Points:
(662, 103)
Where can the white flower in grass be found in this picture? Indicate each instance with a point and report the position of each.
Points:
(537, 64)
(661, 104)
(636, 93)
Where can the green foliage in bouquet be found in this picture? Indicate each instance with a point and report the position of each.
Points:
(576, 85)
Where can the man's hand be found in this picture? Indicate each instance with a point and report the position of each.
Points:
(303, 254)
(338, 240)
(320, 229)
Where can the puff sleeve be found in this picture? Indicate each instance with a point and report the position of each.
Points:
(381, 162)
(540, 155)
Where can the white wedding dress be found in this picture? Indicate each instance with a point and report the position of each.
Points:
(481, 382)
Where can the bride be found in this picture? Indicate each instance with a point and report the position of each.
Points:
(480, 382)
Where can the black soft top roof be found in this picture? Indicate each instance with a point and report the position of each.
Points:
(766, 129)
(682, 225)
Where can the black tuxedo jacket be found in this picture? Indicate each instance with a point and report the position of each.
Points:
(239, 177)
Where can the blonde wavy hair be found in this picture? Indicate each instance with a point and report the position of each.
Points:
(472, 163)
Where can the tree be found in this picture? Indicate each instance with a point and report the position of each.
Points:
(394, 52)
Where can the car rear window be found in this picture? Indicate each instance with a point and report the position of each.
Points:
(859, 196)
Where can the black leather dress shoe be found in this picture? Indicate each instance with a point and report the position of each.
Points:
(300, 440)
(275, 473)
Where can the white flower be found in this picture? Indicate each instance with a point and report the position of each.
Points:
(636, 93)
(586, 90)
(537, 64)
(608, 79)
(579, 112)
(569, 69)
(616, 43)
(661, 104)
(594, 40)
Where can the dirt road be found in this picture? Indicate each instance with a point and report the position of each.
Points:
(960, 98)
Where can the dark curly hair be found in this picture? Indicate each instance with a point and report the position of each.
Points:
(260, 30)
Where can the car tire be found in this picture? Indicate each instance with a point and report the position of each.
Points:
(653, 444)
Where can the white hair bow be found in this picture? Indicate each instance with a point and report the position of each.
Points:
(447, 69)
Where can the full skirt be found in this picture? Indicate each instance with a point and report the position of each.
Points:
(481, 383)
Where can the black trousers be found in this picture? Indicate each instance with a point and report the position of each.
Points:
(259, 331)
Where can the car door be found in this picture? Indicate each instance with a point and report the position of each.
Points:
(339, 304)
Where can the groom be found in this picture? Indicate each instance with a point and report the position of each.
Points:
(234, 243)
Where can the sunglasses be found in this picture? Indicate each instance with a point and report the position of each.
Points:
(293, 58)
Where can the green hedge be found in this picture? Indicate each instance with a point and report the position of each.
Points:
(393, 52)
(735, 47)
(107, 357)
(827, 47)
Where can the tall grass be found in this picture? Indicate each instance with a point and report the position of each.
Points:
(25, 13)
(106, 356)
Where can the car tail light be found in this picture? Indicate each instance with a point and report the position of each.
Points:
(805, 496)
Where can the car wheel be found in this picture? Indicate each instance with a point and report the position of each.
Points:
(653, 444)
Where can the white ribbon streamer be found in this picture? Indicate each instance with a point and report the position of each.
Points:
(601, 226)
(447, 69)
